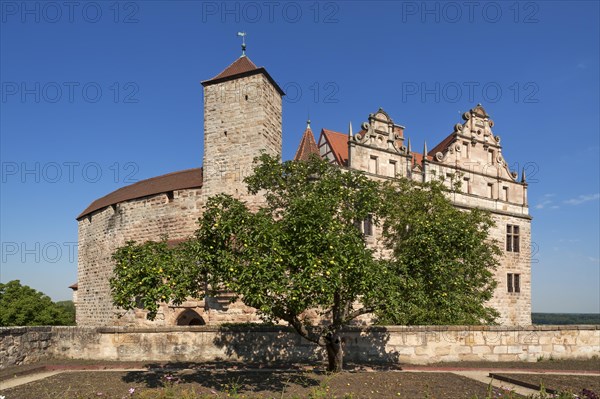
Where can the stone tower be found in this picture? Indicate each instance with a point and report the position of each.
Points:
(242, 118)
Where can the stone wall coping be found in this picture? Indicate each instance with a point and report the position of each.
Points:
(242, 342)
(277, 328)
(23, 330)
(267, 328)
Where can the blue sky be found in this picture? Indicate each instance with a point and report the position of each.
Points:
(99, 94)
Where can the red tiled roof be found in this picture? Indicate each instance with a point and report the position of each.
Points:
(307, 146)
(240, 68)
(241, 65)
(338, 142)
(441, 147)
(418, 158)
(190, 178)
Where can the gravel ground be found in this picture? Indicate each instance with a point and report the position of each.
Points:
(254, 384)
(287, 382)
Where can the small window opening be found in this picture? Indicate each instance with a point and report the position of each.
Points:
(512, 238)
(513, 282)
(368, 226)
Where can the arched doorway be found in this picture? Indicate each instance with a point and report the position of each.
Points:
(190, 318)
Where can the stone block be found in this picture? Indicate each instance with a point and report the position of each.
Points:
(481, 349)
(514, 349)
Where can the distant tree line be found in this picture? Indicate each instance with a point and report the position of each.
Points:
(565, 318)
(21, 305)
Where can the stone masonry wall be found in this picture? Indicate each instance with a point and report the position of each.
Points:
(271, 344)
(242, 118)
(476, 159)
(22, 345)
(101, 233)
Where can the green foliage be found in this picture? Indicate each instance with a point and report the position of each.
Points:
(301, 250)
(442, 257)
(153, 272)
(21, 305)
(69, 308)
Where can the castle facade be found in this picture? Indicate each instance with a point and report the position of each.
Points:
(242, 117)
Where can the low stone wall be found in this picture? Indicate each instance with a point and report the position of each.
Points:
(21, 345)
(273, 344)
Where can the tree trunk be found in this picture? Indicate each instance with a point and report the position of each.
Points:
(335, 354)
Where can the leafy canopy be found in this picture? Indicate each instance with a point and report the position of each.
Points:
(21, 305)
(301, 250)
(442, 255)
(153, 272)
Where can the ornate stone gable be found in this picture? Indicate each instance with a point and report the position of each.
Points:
(474, 147)
(382, 133)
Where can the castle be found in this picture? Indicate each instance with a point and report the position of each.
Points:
(242, 117)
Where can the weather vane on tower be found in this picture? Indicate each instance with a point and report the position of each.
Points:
(243, 36)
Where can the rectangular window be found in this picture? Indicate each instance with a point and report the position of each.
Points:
(505, 193)
(465, 149)
(512, 238)
(466, 186)
(490, 157)
(490, 190)
(393, 169)
(373, 165)
(368, 226)
(513, 282)
(365, 226)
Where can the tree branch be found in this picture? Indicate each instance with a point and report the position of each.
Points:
(359, 312)
(302, 330)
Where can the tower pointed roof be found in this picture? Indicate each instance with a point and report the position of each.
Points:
(242, 65)
(239, 68)
(308, 145)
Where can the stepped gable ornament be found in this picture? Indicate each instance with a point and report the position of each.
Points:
(479, 113)
(377, 137)
(479, 127)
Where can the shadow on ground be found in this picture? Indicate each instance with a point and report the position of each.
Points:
(221, 379)
(283, 345)
(277, 348)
